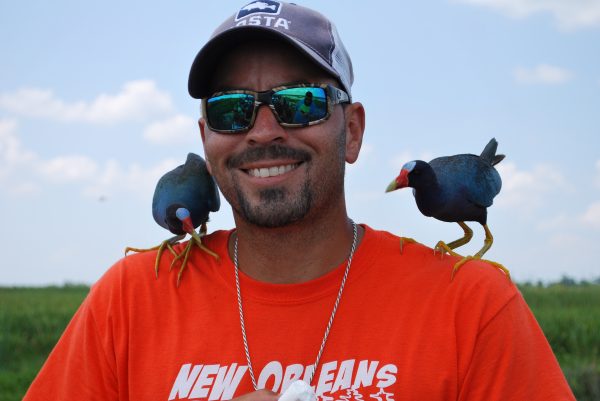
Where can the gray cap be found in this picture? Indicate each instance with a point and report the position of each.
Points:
(309, 31)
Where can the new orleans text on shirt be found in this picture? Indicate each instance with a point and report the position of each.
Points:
(351, 379)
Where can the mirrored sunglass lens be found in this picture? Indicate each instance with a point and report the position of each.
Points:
(300, 105)
(230, 112)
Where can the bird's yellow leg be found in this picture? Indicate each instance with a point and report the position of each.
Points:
(198, 242)
(463, 240)
(487, 244)
(442, 247)
(407, 240)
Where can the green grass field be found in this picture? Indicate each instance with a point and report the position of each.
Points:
(31, 321)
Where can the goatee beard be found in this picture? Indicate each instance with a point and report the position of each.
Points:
(276, 209)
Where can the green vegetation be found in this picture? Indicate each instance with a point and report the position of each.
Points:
(32, 320)
(569, 314)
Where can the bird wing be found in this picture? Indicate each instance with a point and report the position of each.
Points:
(468, 174)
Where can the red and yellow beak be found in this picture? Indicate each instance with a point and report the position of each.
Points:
(400, 182)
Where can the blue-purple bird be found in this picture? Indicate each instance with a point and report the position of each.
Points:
(456, 188)
(182, 202)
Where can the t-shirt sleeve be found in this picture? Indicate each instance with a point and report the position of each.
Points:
(512, 360)
(81, 366)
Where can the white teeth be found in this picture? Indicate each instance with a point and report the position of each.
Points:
(272, 171)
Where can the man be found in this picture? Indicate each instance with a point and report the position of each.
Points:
(301, 291)
(305, 109)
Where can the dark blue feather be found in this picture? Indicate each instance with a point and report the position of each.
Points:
(189, 186)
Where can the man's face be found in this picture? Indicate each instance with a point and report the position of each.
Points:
(273, 176)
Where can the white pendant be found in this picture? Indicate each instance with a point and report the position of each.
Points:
(298, 391)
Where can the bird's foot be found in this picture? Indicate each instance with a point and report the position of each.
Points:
(467, 258)
(185, 254)
(443, 248)
(499, 266)
(459, 264)
(198, 241)
(405, 240)
(165, 244)
(171, 241)
(138, 250)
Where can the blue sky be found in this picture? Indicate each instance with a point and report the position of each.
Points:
(94, 109)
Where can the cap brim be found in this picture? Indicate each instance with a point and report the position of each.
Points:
(206, 59)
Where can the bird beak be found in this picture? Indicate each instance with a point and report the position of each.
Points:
(391, 187)
(400, 182)
(188, 226)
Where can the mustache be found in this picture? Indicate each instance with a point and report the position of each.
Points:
(270, 152)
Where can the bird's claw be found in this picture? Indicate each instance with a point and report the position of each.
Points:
(499, 266)
(443, 248)
(138, 250)
(165, 244)
(403, 240)
(458, 265)
(467, 258)
(197, 239)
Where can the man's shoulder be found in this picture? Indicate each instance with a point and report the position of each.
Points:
(411, 257)
(158, 269)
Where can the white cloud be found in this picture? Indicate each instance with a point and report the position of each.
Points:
(113, 178)
(11, 151)
(524, 190)
(175, 130)
(570, 14)
(591, 216)
(542, 74)
(12, 154)
(23, 172)
(68, 168)
(136, 100)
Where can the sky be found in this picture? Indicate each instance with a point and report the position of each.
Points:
(94, 109)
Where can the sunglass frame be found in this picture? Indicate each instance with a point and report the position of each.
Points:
(334, 96)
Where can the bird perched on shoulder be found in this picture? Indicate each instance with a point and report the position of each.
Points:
(182, 201)
(456, 188)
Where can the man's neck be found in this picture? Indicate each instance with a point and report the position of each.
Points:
(295, 253)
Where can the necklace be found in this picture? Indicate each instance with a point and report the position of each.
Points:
(329, 324)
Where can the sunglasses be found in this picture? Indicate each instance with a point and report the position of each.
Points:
(293, 106)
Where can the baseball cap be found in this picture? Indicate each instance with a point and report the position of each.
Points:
(309, 31)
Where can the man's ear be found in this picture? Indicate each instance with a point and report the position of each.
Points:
(202, 126)
(355, 129)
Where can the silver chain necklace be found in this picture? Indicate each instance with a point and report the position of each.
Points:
(335, 306)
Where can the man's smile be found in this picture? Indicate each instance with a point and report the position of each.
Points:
(273, 171)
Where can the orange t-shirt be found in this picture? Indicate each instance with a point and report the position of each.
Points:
(403, 331)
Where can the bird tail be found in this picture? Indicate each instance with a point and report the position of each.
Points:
(489, 153)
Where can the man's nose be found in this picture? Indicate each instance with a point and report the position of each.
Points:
(266, 128)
